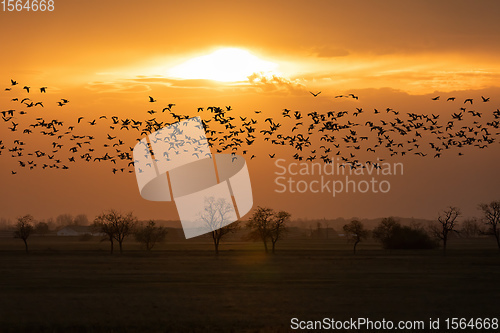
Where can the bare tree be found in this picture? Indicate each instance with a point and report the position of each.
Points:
(216, 215)
(260, 225)
(448, 222)
(124, 225)
(51, 223)
(385, 229)
(267, 225)
(81, 219)
(42, 228)
(491, 214)
(278, 227)
(355, 232)
(24, 228)
(150, 234)
(116, 226)
(64, 220)
(102, 225)
(470, 228)
(417, 225)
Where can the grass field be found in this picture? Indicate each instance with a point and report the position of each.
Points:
(65, 285)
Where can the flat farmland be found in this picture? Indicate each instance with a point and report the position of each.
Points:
(66, 285)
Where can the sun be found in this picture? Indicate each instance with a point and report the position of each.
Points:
(225, 65)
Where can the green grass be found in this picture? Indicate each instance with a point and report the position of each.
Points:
(64, 285)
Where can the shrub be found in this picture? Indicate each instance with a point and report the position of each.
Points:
(404, 237)
(150, 234)
(393, 236)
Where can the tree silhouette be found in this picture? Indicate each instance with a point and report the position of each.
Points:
(101, 225)
(471, 228)
(393, 235)
(24, 228)
(267, 225)
(81, 219)
(491, 214)
(385, 230)
(278, 227)
(115, 226)
(355, 232)
(259, 225)
(64, 220)
(448, 221)
(150, 234)
(42, 228)
(216, 215)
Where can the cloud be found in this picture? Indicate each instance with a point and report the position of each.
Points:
(274, 83)
(144, 84)
(259, 81)
(120, 86)
(446, 80)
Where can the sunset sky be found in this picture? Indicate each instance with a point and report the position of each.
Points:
(108, 57)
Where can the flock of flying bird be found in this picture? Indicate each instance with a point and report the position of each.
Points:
(308, 136)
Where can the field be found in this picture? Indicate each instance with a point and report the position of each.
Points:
(66, 285)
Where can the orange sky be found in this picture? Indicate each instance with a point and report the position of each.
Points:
(107, 57)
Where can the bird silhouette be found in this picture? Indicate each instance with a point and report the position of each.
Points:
(310, 135)
(315, 94)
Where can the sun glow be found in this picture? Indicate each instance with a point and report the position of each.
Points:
(225, 65)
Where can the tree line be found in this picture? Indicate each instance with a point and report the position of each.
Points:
(265, 225)
(270, 226)
(392, 235)
(44, 226)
